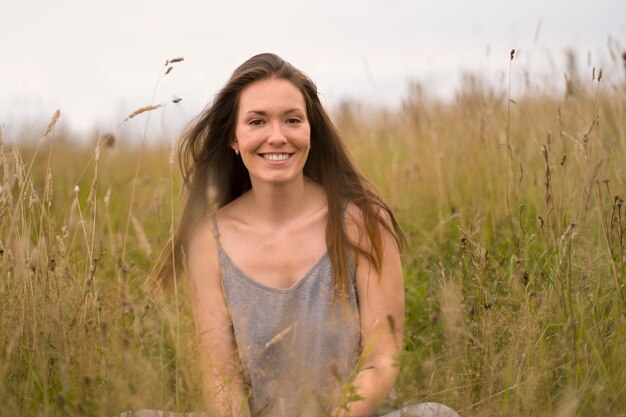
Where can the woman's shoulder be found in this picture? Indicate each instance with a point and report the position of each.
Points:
(232, 211)
(357, 218)
(202, 249)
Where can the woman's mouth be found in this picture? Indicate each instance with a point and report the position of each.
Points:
(276, 156)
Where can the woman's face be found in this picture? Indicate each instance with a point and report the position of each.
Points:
(272, 134)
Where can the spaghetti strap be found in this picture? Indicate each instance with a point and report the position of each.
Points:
(214, 229)
(213, 223)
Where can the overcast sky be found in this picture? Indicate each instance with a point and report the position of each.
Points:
(99, 60)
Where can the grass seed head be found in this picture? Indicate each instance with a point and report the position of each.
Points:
(60, 246)
(53, 122)
(172, 159)
(48, 190)
(142, 110)
(33, 199)
(92, 192)
(19, 168)
(108, 139)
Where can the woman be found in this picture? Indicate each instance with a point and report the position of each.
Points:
(292, 258)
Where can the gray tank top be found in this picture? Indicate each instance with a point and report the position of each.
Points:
(296, 345)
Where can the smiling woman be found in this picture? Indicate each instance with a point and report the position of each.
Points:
(292, 259)
(272, 132)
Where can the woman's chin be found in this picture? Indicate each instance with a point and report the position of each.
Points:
(278, 179)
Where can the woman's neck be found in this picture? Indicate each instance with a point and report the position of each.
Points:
(279, 204)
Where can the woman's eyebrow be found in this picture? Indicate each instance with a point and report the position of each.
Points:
(294, 110)
(259, 112)
(264, 113)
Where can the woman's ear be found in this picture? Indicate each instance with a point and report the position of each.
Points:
(235, 146)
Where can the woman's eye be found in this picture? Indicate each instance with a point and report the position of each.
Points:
(255, 122)
(293, 121)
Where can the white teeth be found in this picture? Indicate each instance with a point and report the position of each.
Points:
(276, 157)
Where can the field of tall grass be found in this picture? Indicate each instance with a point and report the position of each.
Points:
(515, 267)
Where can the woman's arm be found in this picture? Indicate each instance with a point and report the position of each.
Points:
(223, 386)
(381, 308)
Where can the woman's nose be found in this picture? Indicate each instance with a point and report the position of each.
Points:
(276, 134)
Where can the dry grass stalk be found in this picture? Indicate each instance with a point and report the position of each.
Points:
(33, 198)
(142, 240)
(48, 190)
(281, 335)
(92, 191)
(142, 110)
(61, 250)
(6, 170)
(172, 158)
(19, 169)
(97, 150)
(53, 122)
(107, 198)
(452, 313)
(71, 217)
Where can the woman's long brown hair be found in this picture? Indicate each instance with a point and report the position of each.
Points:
(213, 176)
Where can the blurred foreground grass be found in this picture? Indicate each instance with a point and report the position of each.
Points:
(515, 267)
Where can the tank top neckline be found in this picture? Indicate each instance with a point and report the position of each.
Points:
(259, 284)
(247, 277)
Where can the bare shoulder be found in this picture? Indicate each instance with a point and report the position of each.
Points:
(355, 223)
(202, 259)
(233, 213)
